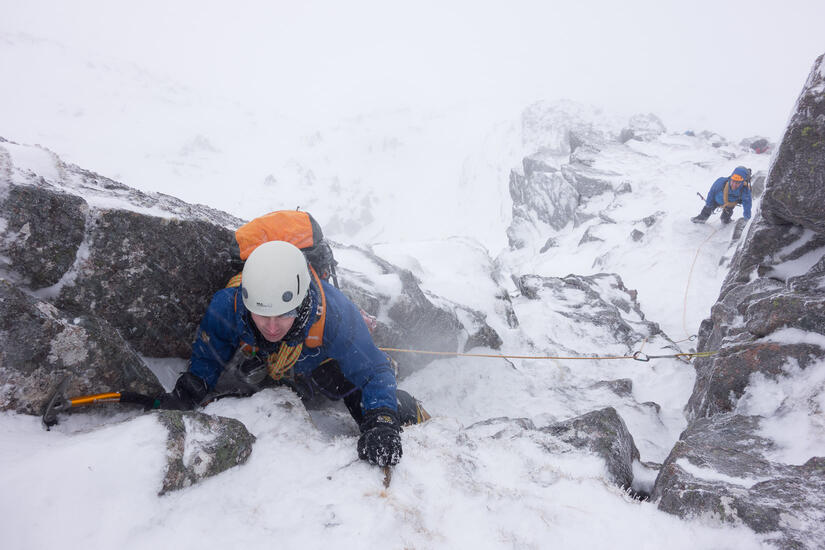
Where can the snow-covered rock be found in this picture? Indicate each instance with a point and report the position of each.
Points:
(768, 327)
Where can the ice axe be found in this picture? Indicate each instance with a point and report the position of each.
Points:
(60, 402)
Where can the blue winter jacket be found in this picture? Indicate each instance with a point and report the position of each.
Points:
(225, 326)
(716, 196)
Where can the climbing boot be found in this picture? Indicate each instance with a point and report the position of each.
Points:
(703, 216)
(726, 214)
(410, 409)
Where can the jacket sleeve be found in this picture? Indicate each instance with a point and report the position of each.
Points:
(348, 341)
(746, 203)
(217, 338)
(715, 196)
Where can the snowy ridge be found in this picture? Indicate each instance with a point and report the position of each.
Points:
(517, 465)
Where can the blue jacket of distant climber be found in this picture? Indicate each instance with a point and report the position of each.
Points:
(226, 326)
(716, 195)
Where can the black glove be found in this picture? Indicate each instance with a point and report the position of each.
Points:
(380, 441)
(190, 389)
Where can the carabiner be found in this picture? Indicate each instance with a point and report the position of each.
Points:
(639, 356)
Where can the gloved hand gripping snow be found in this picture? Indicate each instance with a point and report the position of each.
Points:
(380, 441)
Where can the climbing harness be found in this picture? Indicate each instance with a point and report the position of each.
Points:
(745, 183)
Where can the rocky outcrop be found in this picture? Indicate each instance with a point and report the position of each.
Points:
(39, 345)
(146, 263)
(412, 319)
(768, 325)
(800, 162)
(604, 433)
(758, 144)
(44, 230)
(601, 301)
(200, 446)
(568, 168)
(543, 196)
(150, 277)
(719, 469)
(642, 127)
(118, 273)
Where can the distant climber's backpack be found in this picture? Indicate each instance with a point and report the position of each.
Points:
(292, 226)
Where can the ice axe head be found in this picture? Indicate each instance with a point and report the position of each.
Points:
(57, 403)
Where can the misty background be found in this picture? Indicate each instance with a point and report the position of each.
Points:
(731, 67)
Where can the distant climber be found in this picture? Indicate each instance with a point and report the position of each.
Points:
(728, 193)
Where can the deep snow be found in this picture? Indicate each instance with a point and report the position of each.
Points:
(427, 188)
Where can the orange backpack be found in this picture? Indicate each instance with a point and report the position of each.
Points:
(300, 229)
(292, 226)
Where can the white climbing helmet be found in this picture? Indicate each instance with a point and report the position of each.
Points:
(275, 279)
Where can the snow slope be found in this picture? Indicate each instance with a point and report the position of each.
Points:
(427, 188)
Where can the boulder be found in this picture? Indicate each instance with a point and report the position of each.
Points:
(719, 469)
(795, 191)
(150, 277)
(147, 263)
(604, 433)
(410, 319)
(43, 232)
(40, 345)
(589, 182)
(200, 446)
(642, 127)
(601, 301)
(546, 197)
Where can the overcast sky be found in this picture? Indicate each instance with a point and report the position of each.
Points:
(735, 67)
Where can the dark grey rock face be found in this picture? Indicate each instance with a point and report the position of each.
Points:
(415, 322)
(770, 317)
(722, 380)
(604, 433)
(40, 345)
(200, 446)
(146, 263)
(44, 230)
(718, 469)
(421, 322)
(800, 162)
(152, 278)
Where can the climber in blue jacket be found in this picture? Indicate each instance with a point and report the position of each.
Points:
(284, 324)
(727, 193)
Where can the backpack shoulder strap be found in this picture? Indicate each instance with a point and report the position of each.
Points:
(315, 337)
(725, 196)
